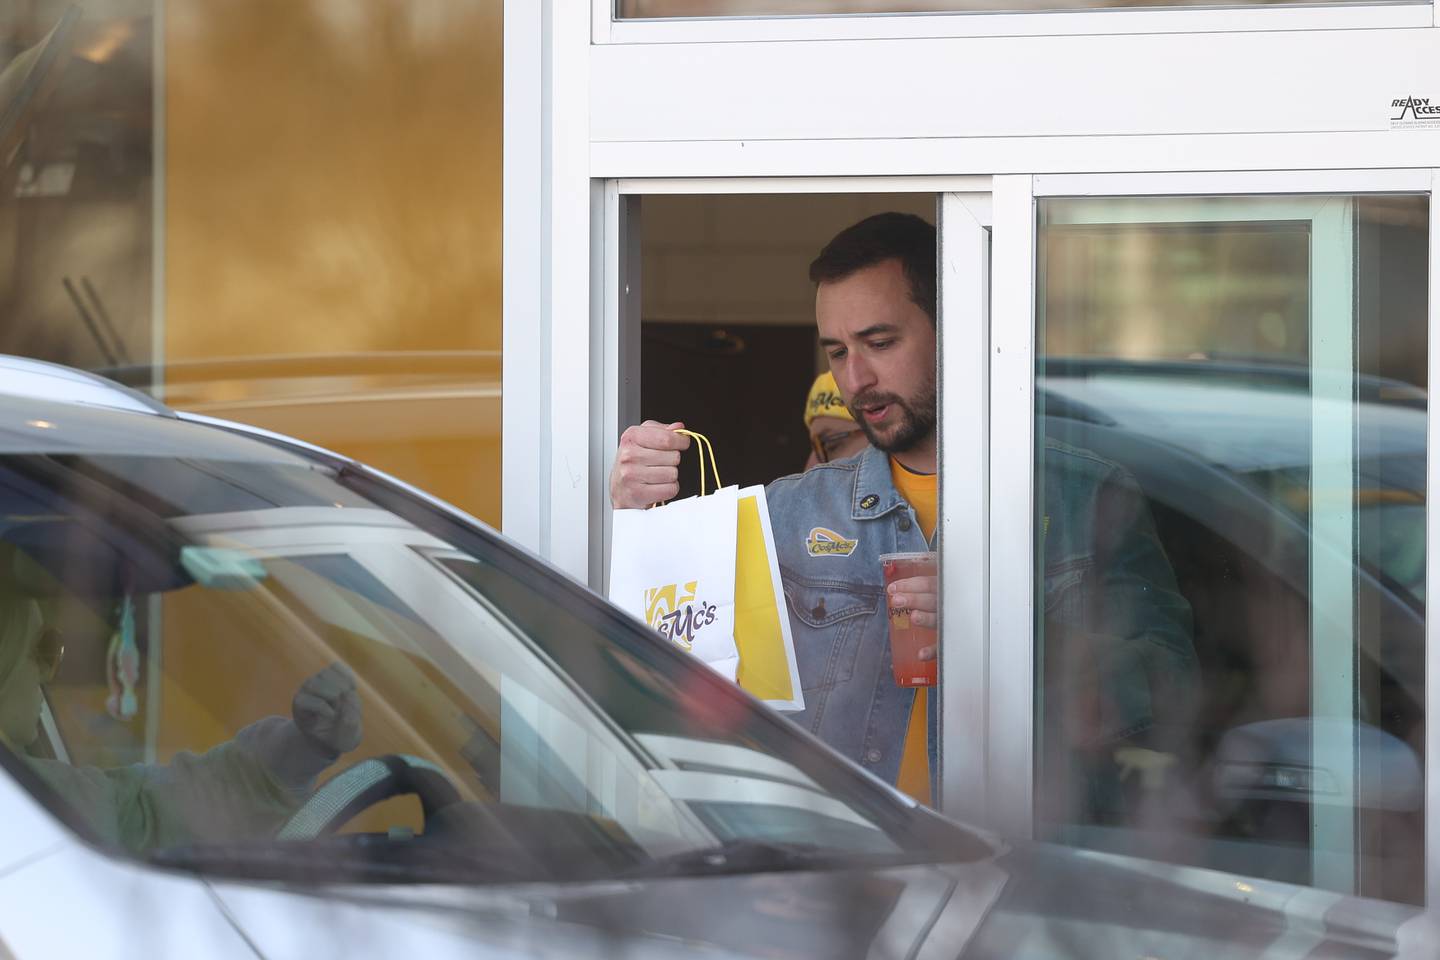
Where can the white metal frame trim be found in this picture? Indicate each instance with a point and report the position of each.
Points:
(1071, 88)
(1010, 770)
(605, 372)
(522, 254)
(1235, 183)
(615, 369)
(600, 359)
(565, 443)
(757, 185)
(607, 29)
(546, 340)
(1012, 390)
(845, 158)
(964, 358)
(1432, 581)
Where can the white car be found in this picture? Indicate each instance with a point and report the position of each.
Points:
(519, 770)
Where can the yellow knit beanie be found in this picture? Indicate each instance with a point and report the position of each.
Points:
(825, 400)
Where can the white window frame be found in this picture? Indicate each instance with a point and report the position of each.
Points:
(966, 724)
(1432, 578)
(964, 211)
(547, 298)
(1002, 105)
(570, 169)
(987, 399)
(609, 29)
(1012, 461)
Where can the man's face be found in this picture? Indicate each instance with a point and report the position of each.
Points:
(881, 347)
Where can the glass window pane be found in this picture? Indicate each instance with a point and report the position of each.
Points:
(77, 182)
(1231, 406)
(174, 678)
(325, 263)
(657, 9)
(333, 249)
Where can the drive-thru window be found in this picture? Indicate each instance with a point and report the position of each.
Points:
(1184, 299)
(1184, 302)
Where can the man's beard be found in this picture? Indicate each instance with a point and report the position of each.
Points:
(915, 424)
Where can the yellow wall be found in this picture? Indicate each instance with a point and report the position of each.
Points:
(332, 270)
(332, 190)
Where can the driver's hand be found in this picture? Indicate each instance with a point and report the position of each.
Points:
(647, 465)
(326, 709)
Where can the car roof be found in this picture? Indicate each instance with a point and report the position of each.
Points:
(46, 408)
(40, 380)
(1240, 426)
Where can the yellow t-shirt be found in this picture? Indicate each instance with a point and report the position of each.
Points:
(922, 492)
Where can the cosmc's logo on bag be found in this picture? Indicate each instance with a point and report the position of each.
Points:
(674, 611)
(828, 543)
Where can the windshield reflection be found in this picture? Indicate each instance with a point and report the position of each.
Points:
(386, 696)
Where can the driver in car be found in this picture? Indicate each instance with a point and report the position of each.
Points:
(246, 787)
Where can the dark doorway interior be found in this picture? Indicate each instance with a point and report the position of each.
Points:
(743, 387)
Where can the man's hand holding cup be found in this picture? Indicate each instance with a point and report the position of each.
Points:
(912, 594)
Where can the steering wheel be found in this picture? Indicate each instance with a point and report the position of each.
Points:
(364, 784)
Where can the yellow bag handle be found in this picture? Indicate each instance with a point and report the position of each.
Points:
(703, 446)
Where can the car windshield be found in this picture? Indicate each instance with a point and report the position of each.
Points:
(226, 657)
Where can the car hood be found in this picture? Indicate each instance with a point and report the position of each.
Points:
(1032, 900)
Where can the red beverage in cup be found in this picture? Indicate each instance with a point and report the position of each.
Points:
(906, 639)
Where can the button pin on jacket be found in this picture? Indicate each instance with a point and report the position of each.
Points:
(869, 501)
(819, 612)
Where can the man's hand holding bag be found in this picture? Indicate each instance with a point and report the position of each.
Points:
(702, 569)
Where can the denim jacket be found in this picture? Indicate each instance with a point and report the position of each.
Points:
(1116, 646)
(831, 526)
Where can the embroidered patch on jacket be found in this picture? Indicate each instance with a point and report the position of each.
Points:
(828, 543)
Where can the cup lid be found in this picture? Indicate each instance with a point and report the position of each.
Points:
(914, 555)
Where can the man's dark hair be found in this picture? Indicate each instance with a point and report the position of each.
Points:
(885, 236)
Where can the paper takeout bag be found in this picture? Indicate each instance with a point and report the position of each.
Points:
(762, 625)
(704, 573)
(674, 567)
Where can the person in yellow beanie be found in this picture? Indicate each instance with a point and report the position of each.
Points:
(834, 434)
